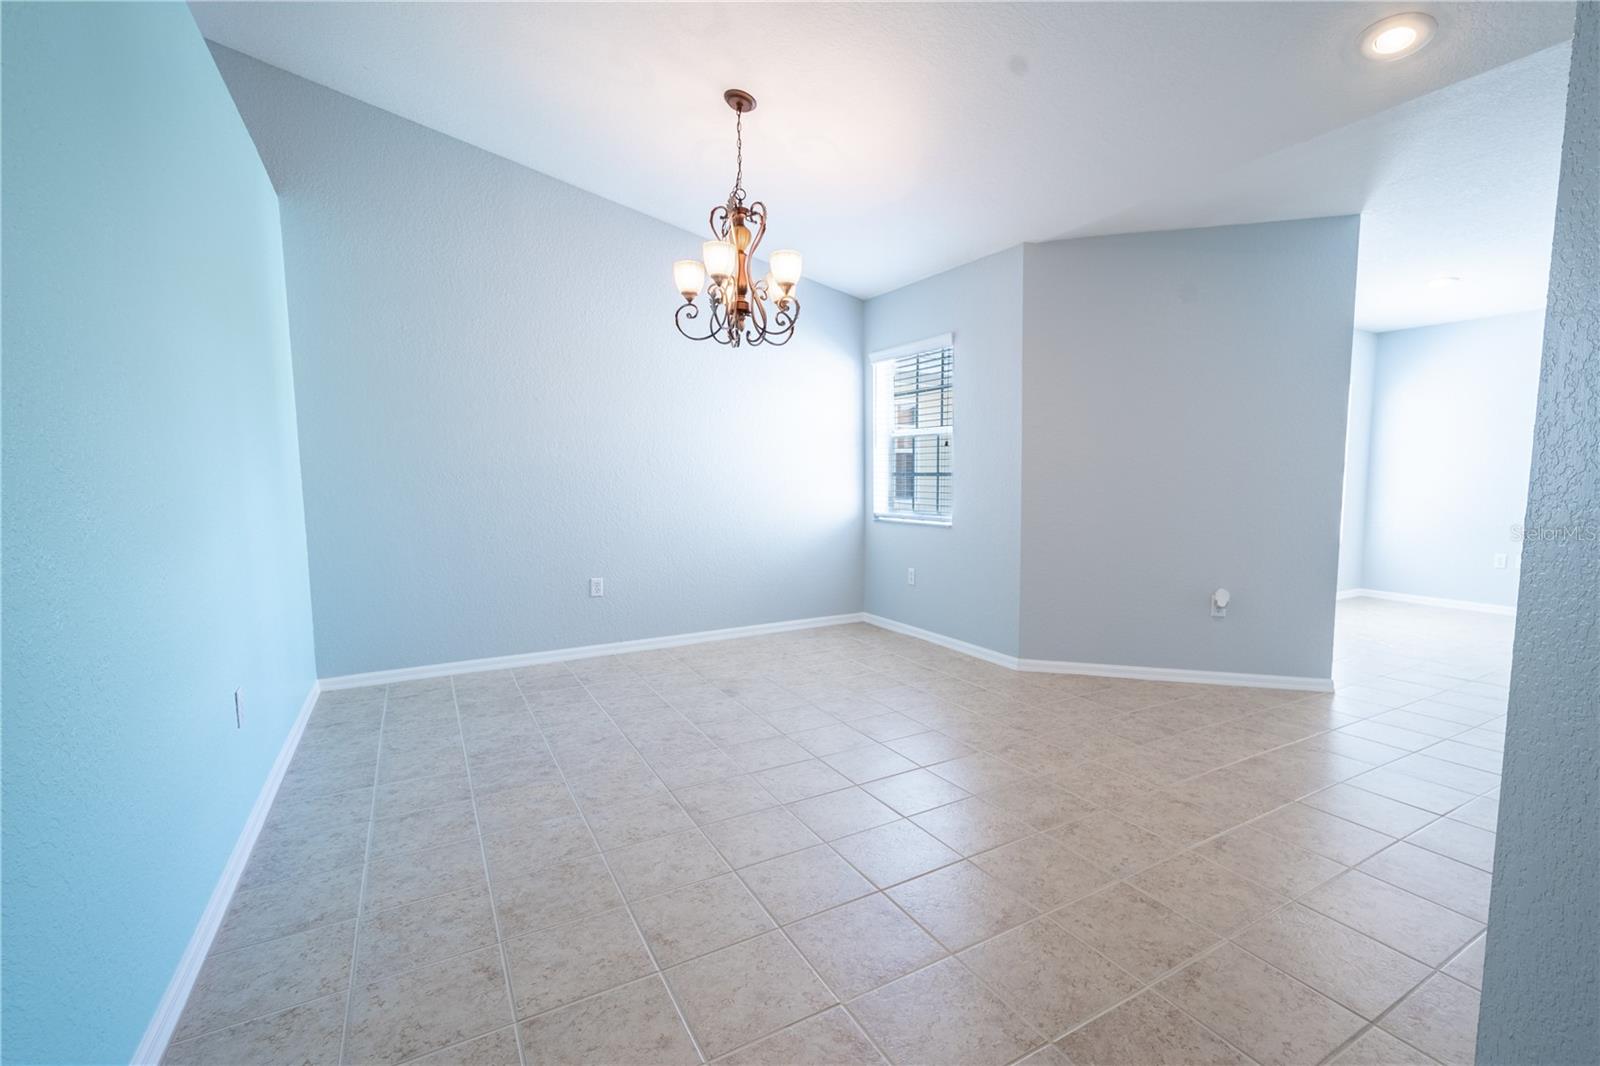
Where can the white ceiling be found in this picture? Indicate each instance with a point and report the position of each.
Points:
(894, 141)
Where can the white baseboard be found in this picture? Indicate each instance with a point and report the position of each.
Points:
(170, 1009)
(1187, 677)
(977, 651)
(1137, 673)
(1429, 601)
(587, 651)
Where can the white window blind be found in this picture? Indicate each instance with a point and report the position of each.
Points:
(913, 433)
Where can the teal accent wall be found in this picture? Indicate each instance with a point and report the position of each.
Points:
(153, 536)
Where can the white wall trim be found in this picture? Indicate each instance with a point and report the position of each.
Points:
(1136, 673)
(1187, 677)
(159, 1032)
(977, 651)
(587, 651)
(1430, 601)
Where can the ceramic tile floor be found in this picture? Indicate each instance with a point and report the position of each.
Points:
(844, 845)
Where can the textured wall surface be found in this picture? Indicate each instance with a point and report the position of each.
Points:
(1541, 980)
(154, 552)
(1183, 428)
(967, 573)
(1452, 429)
(1357, 448)
(495, 407)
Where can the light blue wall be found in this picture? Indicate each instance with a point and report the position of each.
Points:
(1357, 451)
(154, 554)
(1452, 431)
(1183, 428)
(968, 573)
(1541, 974)
(495, 407)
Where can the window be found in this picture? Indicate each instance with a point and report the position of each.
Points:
(912, 419)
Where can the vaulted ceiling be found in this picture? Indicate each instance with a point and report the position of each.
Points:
(893, 141)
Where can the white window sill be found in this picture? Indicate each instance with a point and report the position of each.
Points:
(907, 520)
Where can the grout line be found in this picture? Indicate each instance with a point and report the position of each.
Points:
(627, 907)
(361, 893)
(488, 879)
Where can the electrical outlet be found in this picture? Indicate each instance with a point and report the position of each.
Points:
(911, 575)
(238, 708)
(1499, 560)
(597, 586)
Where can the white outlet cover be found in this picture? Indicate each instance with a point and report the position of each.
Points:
(597, 586)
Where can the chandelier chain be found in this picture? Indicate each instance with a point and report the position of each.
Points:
(737, 195)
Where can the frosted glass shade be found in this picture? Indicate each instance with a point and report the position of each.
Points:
(689, 276)
(721, 260)
(786, 268)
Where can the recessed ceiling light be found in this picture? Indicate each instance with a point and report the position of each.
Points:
(1397, 36)
(1443, 281)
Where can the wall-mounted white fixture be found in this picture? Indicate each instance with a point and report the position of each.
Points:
(1397, 36)
(911, 575)
(597, 586)
(1219, 603)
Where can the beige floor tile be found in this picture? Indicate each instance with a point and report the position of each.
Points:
(1467, 967)
(526, 846)
(942, 1014)
(556, 966)
(752, 838)
(1385, 815)
(1049, 1055)
(729, 798)
(293, 905)
(1115, 844)
(1148, 1031)
(632, 1024)
(1043, 871)
(1260, 1010)
(236, 986)
(634, 821)
(1434, 877)
(915, 791)
(422, 1010)
(1049, 977)
(893, 853)
(1377, 1048)
(1144, 937)
(1482, 813)
(1458, 841)
(928, 748)
(700, 918)
(1268, 861)
(831, 739)
(1039, 803)
(1440, 1018)
(746, 991)
(498, 1048)
(863, 944)
(1322, 833)
(1410, 924)
(309, 1034)
(1348, 967)
(1101, 785)
(831, 1037)
(979, 772)
(962, 905)
(666, 863)
(870, 763)
(801, 780)
(838, 814)
(417, 933)
(1413, 791)
(972, 825)
(1206, 893)
(526, 900)
(804, 882)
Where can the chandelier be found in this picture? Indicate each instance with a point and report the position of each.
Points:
(738, 309)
